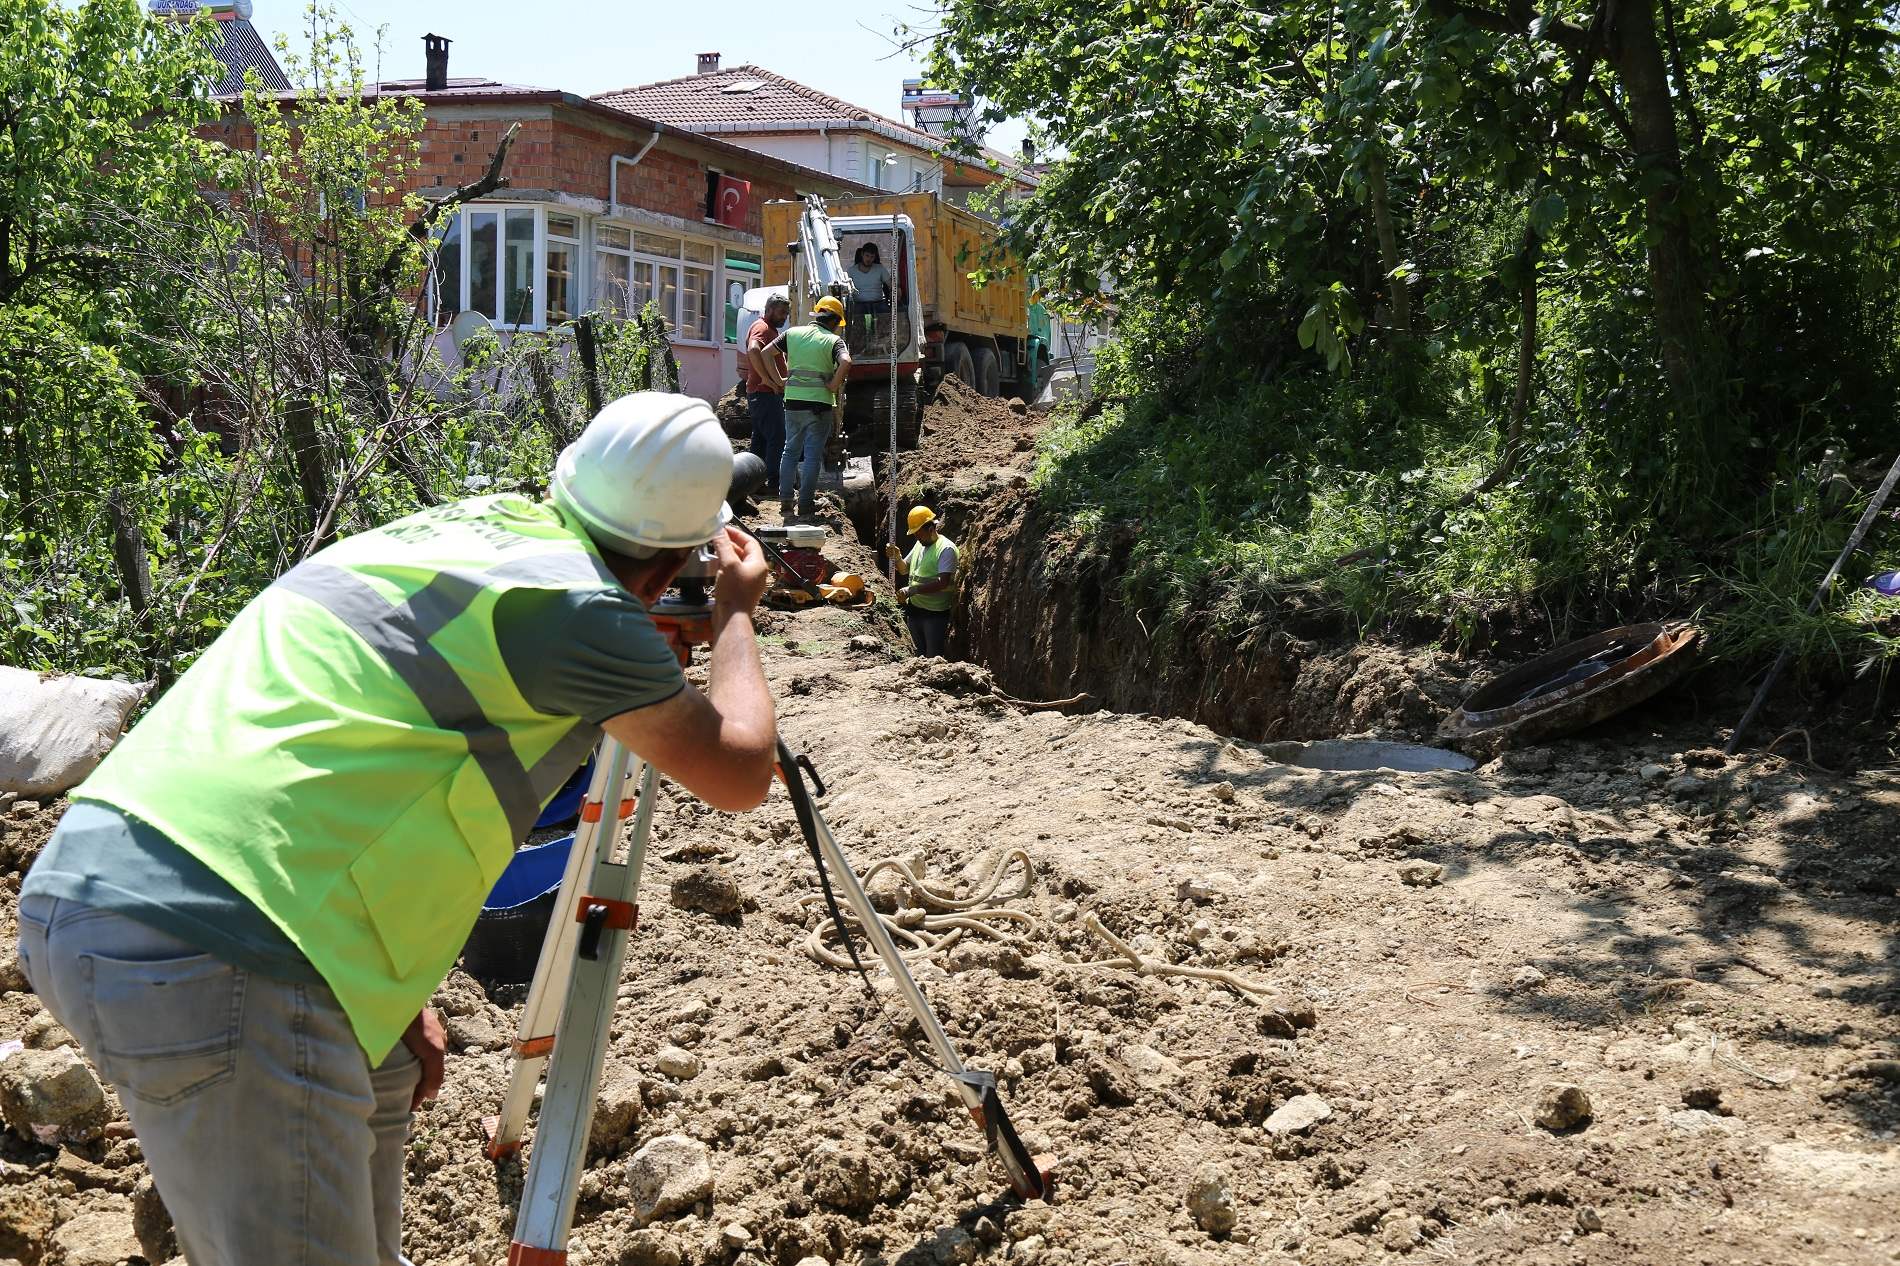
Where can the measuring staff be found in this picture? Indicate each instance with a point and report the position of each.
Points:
(250, 902)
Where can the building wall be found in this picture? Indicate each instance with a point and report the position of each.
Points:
(565, 156)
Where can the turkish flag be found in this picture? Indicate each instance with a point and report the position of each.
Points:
(731, 200)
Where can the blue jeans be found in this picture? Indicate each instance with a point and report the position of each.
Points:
(767, 411)
(807, 430)
(271, 1136)
(928, 629)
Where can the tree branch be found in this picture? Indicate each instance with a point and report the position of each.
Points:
(490, 180)
(1516, 19)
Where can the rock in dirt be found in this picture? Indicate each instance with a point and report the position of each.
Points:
(51, 1092)
(649, 1247)
(26, 1220)
(44, 1033)
(99, 1237)
(12, 975)
(1589, 1220)
(1210, 1200)
(841, 1177)
(670, 1173)
(889, 892)
(1298, 1115)
(812, 1261)
(1562, 1106)
(676, 1063)
(710, 888)
(1420, 873)
(1527, 977)
(1111, 1080)
(617, 1108)
(152, 1222)
(1653, 773)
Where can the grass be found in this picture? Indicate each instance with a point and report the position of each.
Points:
(1244, 497)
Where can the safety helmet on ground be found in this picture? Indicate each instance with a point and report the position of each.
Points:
(921, 515)
(828, 306)
(652, 469)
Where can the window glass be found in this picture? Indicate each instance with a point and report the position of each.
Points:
(700, 252)
(484, 254)
(560, 280)
(653, 244)
(696, 304)
(563, 225)
(448, 272)
(611, 235)
(642, 286)
(670, 296)
(611, 283)
(743, 271)
(518, 285)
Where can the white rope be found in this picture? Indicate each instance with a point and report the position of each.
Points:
(941, 919)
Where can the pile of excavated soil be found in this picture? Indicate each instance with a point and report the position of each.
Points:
(1605, 1001)
(966, 432)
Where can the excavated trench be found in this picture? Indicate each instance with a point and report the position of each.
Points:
(1049, 629)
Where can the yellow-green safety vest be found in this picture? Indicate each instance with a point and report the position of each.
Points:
(921, 565)
(809, 364)
(352, 754)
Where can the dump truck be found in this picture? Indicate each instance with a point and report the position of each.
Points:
(990, 336)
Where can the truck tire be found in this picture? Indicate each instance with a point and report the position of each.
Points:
(958, 363)
(989, 373)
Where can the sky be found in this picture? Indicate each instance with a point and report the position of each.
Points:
(846, 49)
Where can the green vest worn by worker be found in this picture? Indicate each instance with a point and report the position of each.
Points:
(922, 566)
(352, 754)
(810, 361)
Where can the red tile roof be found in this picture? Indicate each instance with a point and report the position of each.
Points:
(747, 94)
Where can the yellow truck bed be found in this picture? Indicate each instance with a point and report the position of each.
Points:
(950, 245)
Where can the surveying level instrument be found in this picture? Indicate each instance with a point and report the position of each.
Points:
(569, 1008)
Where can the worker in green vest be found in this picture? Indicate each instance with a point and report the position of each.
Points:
(816, 361)
(931, 567)
(247, 907)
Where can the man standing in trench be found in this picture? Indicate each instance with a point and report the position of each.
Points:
(931, 566)
(250, 902)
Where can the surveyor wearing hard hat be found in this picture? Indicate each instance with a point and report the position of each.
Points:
(245, 911)
(816, 361)
(931, 566)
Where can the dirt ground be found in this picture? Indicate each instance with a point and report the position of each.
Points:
(1707, 949)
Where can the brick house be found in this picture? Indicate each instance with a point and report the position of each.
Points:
(772, 114)
(604, 210)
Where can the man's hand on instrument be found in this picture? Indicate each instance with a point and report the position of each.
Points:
(427, 1042)
(743, 574)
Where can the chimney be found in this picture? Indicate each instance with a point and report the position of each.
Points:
(436, 51)
(709, 63)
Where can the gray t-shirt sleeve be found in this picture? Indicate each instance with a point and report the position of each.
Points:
(591, 653)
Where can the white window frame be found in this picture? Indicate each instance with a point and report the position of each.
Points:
(537, 319)
(678, 266)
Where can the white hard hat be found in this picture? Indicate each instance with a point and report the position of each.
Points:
(651, 469)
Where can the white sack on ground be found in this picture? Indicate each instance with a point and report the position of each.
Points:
(55, 730)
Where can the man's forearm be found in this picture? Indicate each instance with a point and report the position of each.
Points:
(735, 682)
(933, 585)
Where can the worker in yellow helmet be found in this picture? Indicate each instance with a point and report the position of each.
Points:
(931, 567)
(247, 907)
(816, 361)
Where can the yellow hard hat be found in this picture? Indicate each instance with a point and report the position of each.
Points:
(828, 306)
(919, 516)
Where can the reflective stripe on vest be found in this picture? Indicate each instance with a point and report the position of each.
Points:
(401, 636)
(811, 362)
(353, 755)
